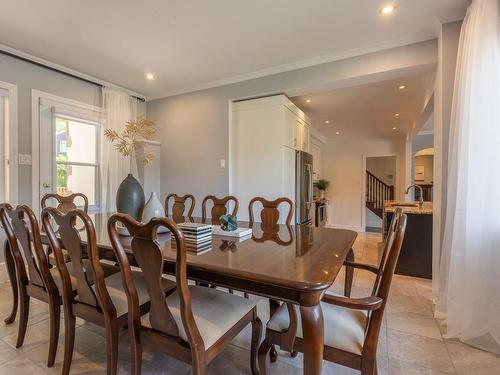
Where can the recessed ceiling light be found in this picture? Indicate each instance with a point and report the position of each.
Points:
(150, 76)
(337, 133)
(396, 115)
(308, 100)
(388, 9)
(401, 87)
(394, 128)
(327, 121)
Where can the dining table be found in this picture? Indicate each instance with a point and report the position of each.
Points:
(289, 263)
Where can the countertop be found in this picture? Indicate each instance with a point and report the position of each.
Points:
(390, 206)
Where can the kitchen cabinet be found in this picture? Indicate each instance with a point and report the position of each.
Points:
(316, 153)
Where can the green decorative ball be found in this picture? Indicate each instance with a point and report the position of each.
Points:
(228, 223)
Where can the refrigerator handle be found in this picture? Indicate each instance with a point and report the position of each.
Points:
(310, 183)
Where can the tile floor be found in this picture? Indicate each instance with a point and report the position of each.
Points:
(410, 342)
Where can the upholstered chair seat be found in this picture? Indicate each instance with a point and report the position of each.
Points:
(215, 312)
(344, 328)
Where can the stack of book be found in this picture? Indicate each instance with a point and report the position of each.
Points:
(198, 236)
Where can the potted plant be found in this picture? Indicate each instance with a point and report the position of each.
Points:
(322, 185)
(130, 195)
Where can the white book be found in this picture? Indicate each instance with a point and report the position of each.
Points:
(239, 232)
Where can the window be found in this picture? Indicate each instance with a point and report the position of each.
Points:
(76, 146)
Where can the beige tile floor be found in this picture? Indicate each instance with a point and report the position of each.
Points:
(410, 342)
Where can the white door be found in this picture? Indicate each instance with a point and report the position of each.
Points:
(69, 152)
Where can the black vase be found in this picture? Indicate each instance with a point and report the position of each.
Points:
(130, 197)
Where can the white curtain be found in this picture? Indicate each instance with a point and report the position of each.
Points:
(118, 108)
(469, 282)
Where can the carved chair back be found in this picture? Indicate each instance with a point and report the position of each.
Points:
(148, 255)
(65, 203)
(179, 206)
(386, 271)
(23, 234)
(219, 207)
(270, 214)
(69, 237)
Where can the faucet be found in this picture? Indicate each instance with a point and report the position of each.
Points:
(421, 198)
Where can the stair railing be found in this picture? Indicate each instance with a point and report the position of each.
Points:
(377, 191)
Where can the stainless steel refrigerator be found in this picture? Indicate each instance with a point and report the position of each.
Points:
(303, 188)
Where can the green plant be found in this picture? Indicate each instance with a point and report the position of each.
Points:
(322, 184)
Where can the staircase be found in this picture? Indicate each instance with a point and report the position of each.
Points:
(376, 193)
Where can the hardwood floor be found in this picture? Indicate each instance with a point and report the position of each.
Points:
(411, 339)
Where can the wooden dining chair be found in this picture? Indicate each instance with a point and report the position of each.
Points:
(65, 203)
(34, 277)
(219, 207)
(90, 289)
(270, 214)
(194, 324)
(179, 206)
(352, 325)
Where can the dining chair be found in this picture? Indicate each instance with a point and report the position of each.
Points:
(91, 289)
(352, 325)
(65, 203)
(34, 277)
(269, 219)
(194, 324)
(179, 206)
(219, 207)
(350, 263)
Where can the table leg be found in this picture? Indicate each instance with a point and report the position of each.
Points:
(349, 274)
(313, 332)
(11, 271)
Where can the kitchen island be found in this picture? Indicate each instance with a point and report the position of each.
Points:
(416, 254)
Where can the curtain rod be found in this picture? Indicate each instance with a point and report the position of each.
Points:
(58, 70)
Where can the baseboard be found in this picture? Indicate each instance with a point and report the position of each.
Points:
(349, 227)
(374, 229)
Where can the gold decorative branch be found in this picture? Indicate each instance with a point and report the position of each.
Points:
(134, 135)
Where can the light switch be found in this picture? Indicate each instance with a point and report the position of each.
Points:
(223, 163)
(24, 159)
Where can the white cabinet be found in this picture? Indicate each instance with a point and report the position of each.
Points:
(316, 153)
(264, 136)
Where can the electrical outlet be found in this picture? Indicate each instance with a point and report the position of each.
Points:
(24, 159)
(223, 163)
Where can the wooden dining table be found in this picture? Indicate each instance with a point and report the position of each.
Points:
(295, 264)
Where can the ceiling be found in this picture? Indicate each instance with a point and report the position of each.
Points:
(192, 44)
(369, 109)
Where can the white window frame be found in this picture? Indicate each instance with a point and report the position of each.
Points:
(12, 125)
(63, 105)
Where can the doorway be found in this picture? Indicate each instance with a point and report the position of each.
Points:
(380, 183)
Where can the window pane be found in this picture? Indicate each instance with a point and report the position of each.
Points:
(75, 141)
(77, 179)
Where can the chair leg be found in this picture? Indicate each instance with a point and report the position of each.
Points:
(112, 346)
(369, 367)
(273, 306)
(293, 354)
(11, 270)
(136, 352)
(55, 321)
(69, 340)
(24, 312)
(198, 363)
(264, 349)
(256, 336)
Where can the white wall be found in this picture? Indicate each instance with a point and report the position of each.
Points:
(426, 161)
(343, 167)
(383, 167)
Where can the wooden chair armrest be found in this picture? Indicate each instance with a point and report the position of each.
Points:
(366, 303)
(363, 266)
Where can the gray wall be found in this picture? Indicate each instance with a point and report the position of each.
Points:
(194, 127)
(28, 76)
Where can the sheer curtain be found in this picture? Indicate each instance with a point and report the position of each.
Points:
(118, 108)
(469, 284)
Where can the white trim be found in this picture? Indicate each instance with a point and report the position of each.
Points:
(153, 143)
(13, 133)
(425, 132)
(318, 135)
(363, 179)
(355, 228)
(37, 98)
(395, 43)
(64, 69)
